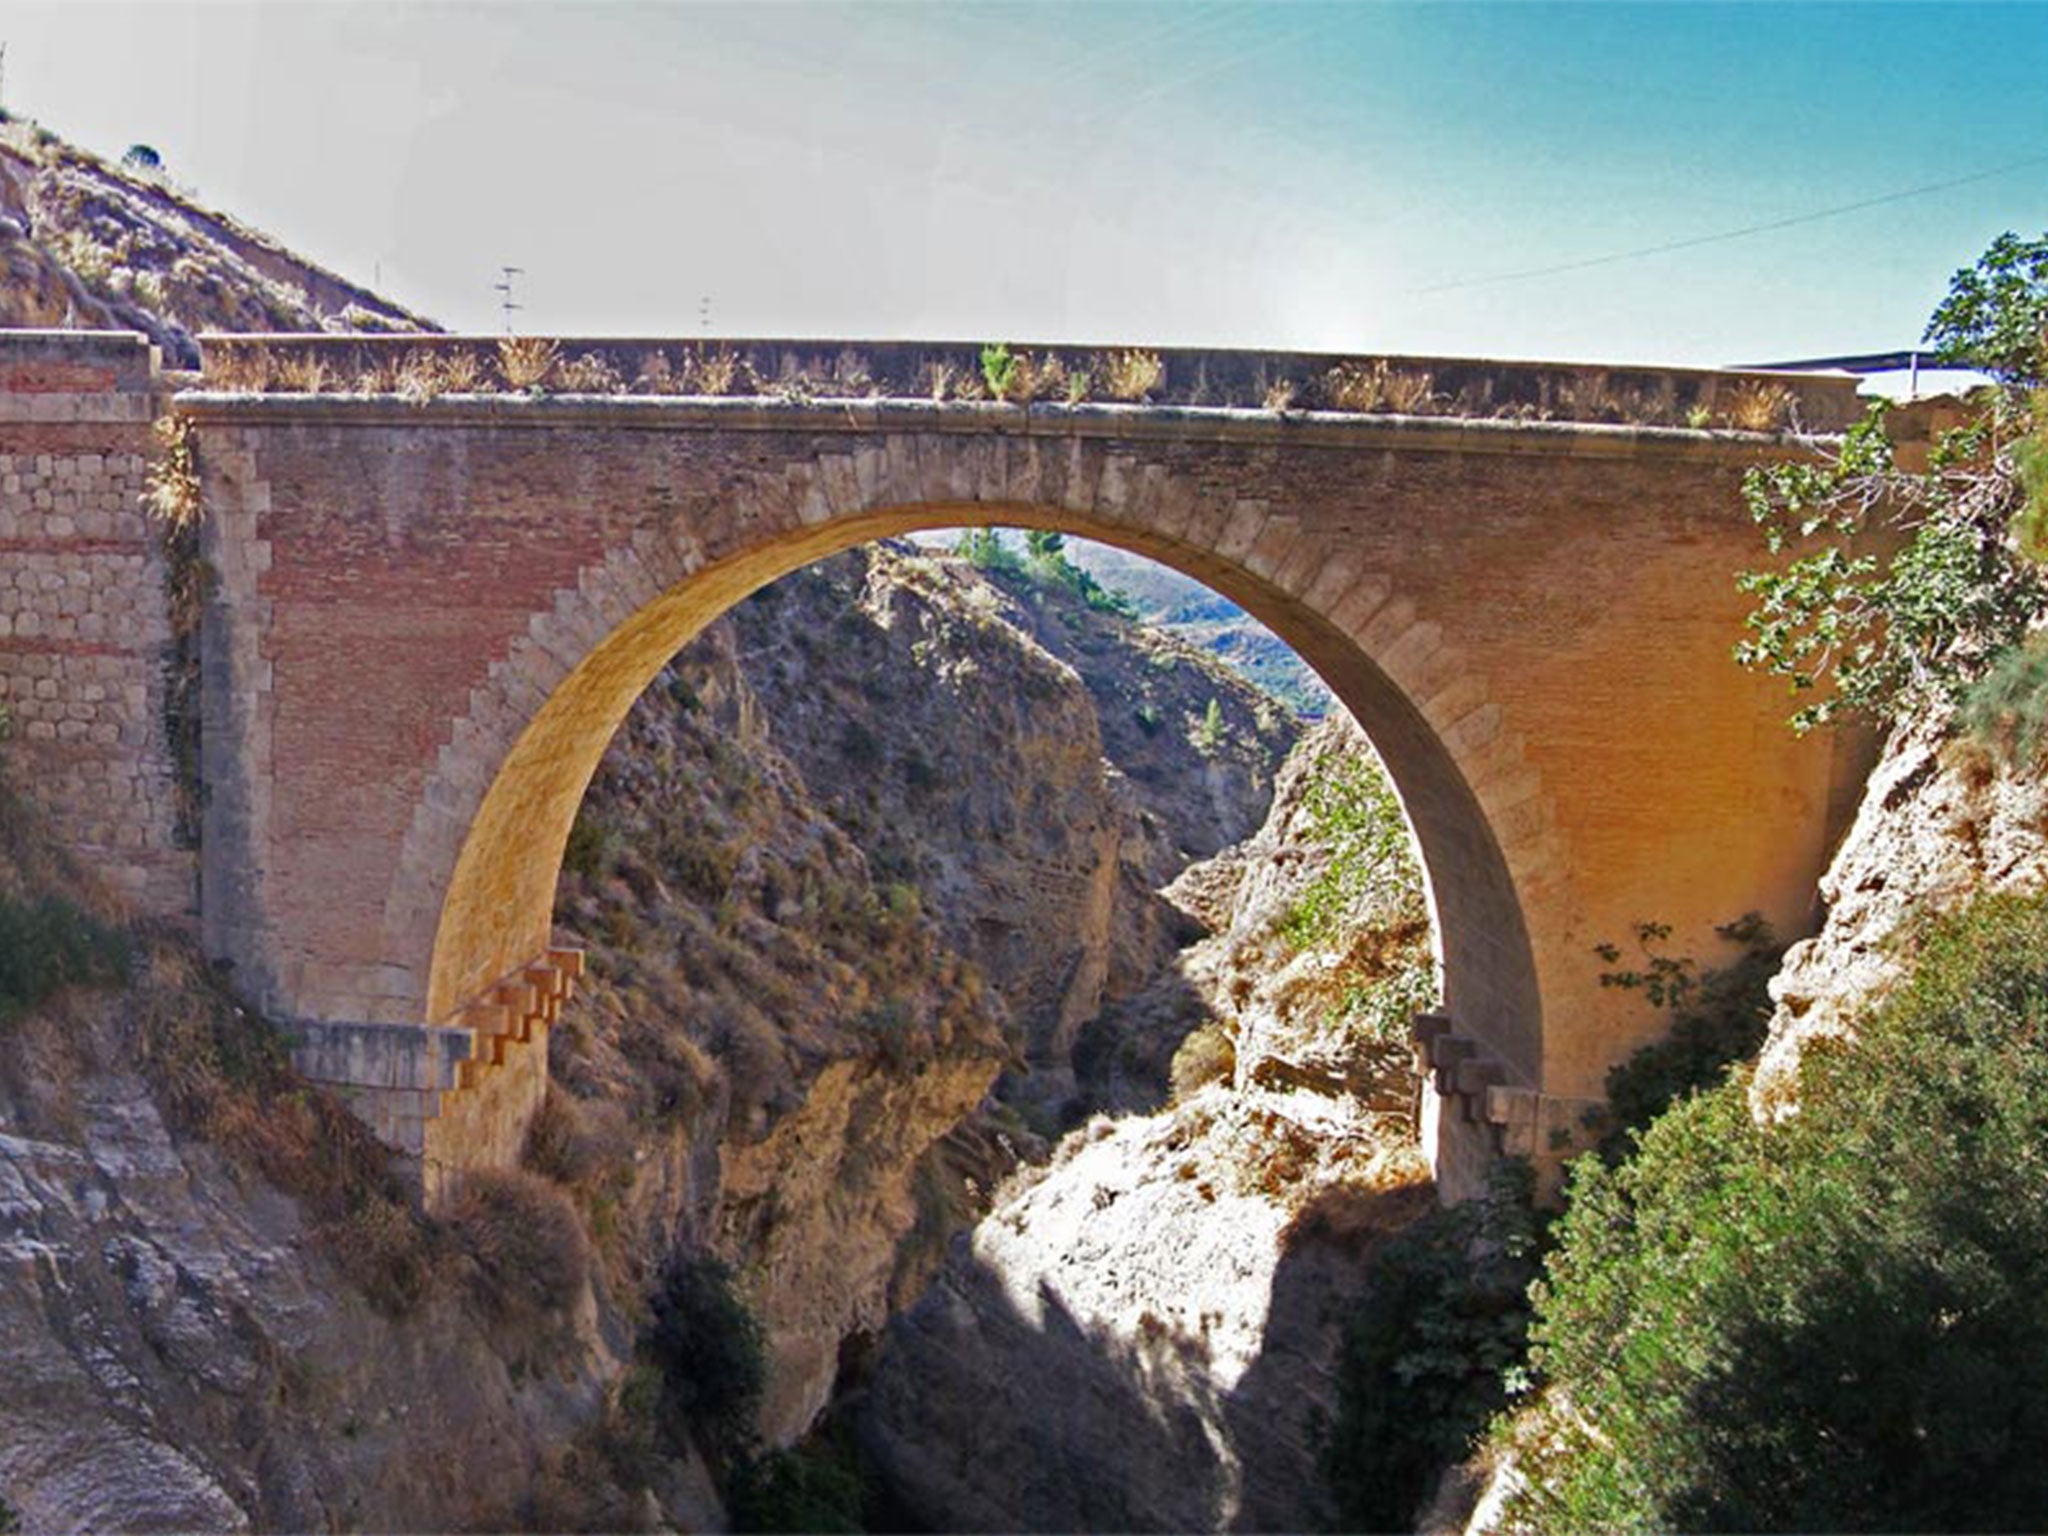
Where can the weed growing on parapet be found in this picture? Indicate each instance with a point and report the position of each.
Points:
(1760, 405)
(590, 374)
(239, 368)
(1132, 374)
(462, 372)
(998, 370)
(303, 373)
(1378, 386)
(716, 371)
(525, 362)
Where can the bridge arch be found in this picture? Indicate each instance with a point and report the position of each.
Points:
(429, 618)
(480, 859)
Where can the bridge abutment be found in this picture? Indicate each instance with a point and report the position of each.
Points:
(86, 644)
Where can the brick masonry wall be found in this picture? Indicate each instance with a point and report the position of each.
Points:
(429, 618)
(84, 627)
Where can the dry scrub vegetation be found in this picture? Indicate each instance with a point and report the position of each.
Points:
(86, 994)
(1364, 386)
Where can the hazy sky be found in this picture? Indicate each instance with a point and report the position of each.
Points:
(1342, 176)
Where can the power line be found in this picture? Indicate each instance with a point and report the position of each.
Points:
(1733, 234)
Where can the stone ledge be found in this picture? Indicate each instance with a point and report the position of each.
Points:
(1142, 423)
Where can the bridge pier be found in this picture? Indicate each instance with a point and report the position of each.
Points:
(449, 1098)
(1473, 1113)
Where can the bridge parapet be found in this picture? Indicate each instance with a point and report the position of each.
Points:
(1035, 375)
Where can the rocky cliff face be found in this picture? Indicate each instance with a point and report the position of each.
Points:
(1142, 1335)
(1940, 821)
(1035, 769)
(856, 850)
(771, 1041)
(213, 1313)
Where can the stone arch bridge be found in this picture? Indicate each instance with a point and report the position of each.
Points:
(431, 606)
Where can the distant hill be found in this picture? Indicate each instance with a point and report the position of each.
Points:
(1205, 619)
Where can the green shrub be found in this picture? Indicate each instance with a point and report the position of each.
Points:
(708, 1347)
(859, 744)
(1378, 1011)
(1434, 1353)
(989, 552)
(801, 1489)
(1838, 1321)
(1355, 817)
(2006, 710)
(589, 849)
(1719, 1018)
(47, 943)
(998, 369)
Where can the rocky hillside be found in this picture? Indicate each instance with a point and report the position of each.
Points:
(217, 1312)
(1034, 769)
(857, 850)
(1942, 820)
(1210, 622)
(92, 246)
(1143, 1333)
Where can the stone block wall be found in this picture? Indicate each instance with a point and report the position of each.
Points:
(84, 626)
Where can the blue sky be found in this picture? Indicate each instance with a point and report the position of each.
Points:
(1351, 177)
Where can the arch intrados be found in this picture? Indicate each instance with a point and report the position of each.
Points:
(510, 858)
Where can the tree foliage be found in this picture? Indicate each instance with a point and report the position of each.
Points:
(1890, 590)
(1996, 314)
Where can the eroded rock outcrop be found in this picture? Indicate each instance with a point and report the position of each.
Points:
(1143, 1334)
(1940, 821)
(184, 1352)
(1035, 768)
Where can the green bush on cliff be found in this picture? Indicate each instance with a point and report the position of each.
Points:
(815, 1488)
(1434, 1353)
(708, 1347)
(1840, 1321)
(1355, 817)
(46, 943)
